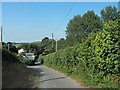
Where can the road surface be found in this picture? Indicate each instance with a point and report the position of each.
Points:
(48, 78)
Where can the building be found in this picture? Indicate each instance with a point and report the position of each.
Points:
(21, 51)
(26, 56)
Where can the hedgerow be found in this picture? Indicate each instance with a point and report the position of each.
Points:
(96, 61)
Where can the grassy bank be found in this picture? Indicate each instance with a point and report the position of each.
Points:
(17, 76)
(14, 73)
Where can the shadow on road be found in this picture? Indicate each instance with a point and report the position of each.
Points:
(53, 79)
(38, 71)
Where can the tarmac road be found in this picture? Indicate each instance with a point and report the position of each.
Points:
(48, 78)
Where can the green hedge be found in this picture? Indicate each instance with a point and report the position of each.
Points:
(96, 61)
(8, 57)
(14, 73)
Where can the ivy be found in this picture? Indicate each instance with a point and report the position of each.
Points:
(96, 58)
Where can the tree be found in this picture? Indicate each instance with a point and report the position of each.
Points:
(4, 45)
(13, 49)
(91, 22)
(45, 42)
(79, 27)
(11, 45)
(61, 43)
(47, 45)
(109, 13)
(24, 46)
(74, 30)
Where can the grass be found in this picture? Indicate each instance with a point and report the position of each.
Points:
(16, 75)
(93, 81)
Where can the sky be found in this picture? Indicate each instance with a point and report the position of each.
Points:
(32, 21)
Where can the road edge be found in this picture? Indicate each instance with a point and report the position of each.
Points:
(64, 74)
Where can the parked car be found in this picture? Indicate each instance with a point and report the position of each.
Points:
(36, 62)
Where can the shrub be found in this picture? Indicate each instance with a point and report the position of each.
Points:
(95, 61)
(8, 57)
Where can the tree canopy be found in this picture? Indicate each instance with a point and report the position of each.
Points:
(110, 13)
(79, 27)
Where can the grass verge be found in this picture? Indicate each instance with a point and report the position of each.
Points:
(16, 75)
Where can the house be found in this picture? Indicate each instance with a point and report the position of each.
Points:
(26, 56)
(21, 51)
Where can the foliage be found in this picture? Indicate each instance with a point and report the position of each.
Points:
(61, 43)
(79, 27)
(14, 73)
(90, 52)
(91, 22)
(109, 13)
(107, 48)
(40, 58)
(96, 61)
(75, 30)
(8, 57)
(12, 47)
(43, 47)
(28, 62)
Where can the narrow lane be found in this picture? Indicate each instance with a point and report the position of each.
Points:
(48, 78)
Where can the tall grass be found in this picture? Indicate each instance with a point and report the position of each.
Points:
(14, 73)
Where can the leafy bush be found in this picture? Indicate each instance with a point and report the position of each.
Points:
(28, 62)
(96, 61)
(8, 57)
(107, 48)
(40, 58)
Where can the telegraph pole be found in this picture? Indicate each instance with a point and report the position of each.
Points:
(52, 40)
(8, 46)
(1, 34)
(56, 45)
(1, 37)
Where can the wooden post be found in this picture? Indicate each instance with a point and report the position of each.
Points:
(52, 40)
(1, 37)
(56, 45)
(1, 34)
